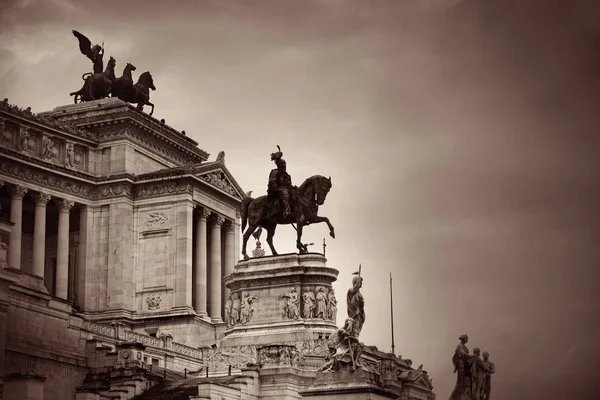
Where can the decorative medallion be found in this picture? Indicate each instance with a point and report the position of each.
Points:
(153, 302)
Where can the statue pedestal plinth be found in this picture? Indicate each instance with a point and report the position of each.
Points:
(280, 299)
(346, 384)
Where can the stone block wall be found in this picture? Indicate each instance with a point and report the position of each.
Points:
(62, 379)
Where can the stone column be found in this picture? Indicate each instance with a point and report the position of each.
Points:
(216, 277)
(62, 251)
(16, 217)
(201, 284)
(39, 233)
(229, 250)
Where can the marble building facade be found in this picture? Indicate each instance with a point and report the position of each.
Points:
(118, 237)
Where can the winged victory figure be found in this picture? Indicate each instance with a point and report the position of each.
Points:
(94, 52)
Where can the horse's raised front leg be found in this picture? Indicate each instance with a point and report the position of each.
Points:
(270, 233)
(247, 234)
(151, 105)
(317, 219)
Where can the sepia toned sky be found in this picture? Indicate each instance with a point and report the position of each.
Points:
(462, 138)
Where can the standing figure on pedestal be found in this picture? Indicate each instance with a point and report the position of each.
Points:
(460, 359)
(356, 305)
(228, 308)
(321, 309)
(490, 368)
(308, 298)
(292, 304)
(331, 306)
(477, 372)
(280, 182)
(235, 308)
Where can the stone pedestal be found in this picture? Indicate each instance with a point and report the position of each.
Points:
(348, 385)
(274, 300)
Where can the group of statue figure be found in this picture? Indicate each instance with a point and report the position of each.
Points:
(344, 348)
(239, 310)
(320, 305)
(473, 374)
(285, 204)
(102, 83)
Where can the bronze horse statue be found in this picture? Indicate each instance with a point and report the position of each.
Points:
(140, 92)
(96, 86)
(123, 82)
(307, 199)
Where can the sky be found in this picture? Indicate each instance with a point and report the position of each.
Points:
(461, 138)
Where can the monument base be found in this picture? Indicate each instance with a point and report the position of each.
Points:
(347, 384)
(280, 299)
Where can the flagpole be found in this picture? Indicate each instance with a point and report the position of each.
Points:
(392, 313)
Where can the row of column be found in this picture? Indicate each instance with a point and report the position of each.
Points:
(39, 236)
(201, 284)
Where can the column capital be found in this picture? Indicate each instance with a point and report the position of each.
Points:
(238, 213)
(203, 212)
(217, 220)
(229, 226)
(17, 192)
(64, 204)
(41, 198)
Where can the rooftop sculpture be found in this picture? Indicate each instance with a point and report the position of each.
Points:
(100, 84)
(285, 204)
(473, 375)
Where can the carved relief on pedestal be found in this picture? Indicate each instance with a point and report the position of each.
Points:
(291, 304)
(220, 359)
(308, 303)
(331, 306)
(153, 301)
(279, 354)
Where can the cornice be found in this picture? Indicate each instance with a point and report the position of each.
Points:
(46, 124)
(123, 114)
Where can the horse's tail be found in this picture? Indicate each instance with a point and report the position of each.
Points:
(244, 211)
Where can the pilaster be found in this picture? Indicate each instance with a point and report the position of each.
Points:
(120, 287)
(183, 253)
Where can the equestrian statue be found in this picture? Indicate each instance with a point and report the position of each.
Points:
(101, 84)
(285, 204)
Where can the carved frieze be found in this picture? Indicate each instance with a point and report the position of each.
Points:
(159, 190)
(220, 359)
(119, 189)
(279, 355)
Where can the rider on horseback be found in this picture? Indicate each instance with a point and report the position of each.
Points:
(280, 182)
